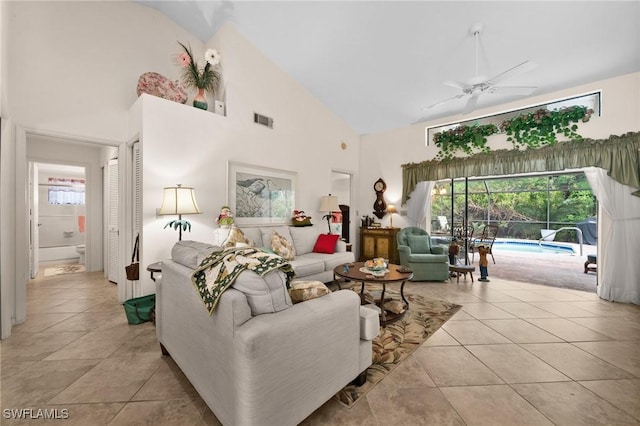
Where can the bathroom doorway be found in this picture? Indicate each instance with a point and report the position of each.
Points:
(57, 219)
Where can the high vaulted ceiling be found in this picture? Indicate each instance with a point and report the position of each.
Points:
(377, 64)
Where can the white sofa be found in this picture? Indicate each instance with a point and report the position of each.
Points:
(266, 369)
(307, 264)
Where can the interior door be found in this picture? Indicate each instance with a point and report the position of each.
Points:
(112, 220)
(34, 240)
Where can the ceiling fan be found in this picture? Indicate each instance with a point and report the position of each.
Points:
(476, 86)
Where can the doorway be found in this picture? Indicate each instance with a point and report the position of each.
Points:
(26, 146)
(57, 215)
(341, 187)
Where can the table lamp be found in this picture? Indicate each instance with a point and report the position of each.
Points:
(179, 200)
(391, 209)
(329, 204)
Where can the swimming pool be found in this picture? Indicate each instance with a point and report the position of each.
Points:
(533, 247)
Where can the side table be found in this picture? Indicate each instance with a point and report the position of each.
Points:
(462, 269)
(155, 268)
(592, 259)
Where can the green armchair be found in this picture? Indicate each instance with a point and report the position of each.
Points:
(429, 263)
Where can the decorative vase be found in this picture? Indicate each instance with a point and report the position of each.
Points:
(200, 101)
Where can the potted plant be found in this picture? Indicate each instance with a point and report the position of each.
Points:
(205, 79)
(539, 128)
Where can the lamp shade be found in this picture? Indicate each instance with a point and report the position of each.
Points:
(329, 203)
(391, 209)
(179, 200)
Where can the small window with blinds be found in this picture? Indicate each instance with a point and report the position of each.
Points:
(64, 191)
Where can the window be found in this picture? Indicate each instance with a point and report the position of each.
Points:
(591, 100)
(519, 205)
(64, 191)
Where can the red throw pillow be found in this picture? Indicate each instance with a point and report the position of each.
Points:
(326, 243)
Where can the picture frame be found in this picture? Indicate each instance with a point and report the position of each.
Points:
(260, 195)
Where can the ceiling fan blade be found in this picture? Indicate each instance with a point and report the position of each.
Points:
(444, 101)
(512, 72)
(456, 84)
(513, 90)
(471, 103)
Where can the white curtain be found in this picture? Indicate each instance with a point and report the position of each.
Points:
(619, 242)
(419, 206)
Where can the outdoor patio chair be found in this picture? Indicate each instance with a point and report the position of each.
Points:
(462, 234)
(488, 237)
(444, 224)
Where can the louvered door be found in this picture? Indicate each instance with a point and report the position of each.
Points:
(112, 221)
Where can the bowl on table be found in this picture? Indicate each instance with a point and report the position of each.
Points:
(376, 266)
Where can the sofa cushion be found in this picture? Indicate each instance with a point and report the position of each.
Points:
(301, 291)
(432, 258)
(254, 235)
(419, 243)
(191, 253)
(308, 264)
(336, 259)
(265, 294)
(236, 238)
(326, 243)
(304, 238)
(267, 232)
(282, 246)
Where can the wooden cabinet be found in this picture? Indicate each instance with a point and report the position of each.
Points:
(379, 242)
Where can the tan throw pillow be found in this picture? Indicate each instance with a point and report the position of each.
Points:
(307, 290)
(395, 306)
(282, 247)
(236, 238)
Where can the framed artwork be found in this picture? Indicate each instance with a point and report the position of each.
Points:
(260, 195)
(337, 217)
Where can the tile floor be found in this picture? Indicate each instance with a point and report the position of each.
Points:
(515, 354)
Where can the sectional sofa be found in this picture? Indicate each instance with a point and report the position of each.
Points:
(259, 359)
(307, 264)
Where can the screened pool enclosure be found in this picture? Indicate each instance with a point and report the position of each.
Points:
(521, 206)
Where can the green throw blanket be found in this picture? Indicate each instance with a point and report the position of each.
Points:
(218, 271)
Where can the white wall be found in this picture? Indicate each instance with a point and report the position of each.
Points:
(75, 65)
(4, 31)
(181, 144)
(8, 276)
(384, 153)
(73, 69)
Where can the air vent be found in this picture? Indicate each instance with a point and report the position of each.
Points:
(263, 119)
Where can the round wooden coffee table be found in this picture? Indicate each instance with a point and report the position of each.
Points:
(352, 272)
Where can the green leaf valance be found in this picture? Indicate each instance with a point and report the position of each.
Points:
(620, 155)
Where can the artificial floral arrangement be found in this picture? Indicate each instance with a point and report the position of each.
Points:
(539, 128)
(532, 130)
(465, 138)
(205, 79)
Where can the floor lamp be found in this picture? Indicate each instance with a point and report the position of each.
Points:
(179, 200)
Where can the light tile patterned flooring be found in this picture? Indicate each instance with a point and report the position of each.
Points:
(515, 354)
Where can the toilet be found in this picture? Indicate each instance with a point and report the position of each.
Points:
(80, 250)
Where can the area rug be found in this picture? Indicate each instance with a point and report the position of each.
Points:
(398, 340)
(66, 269)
